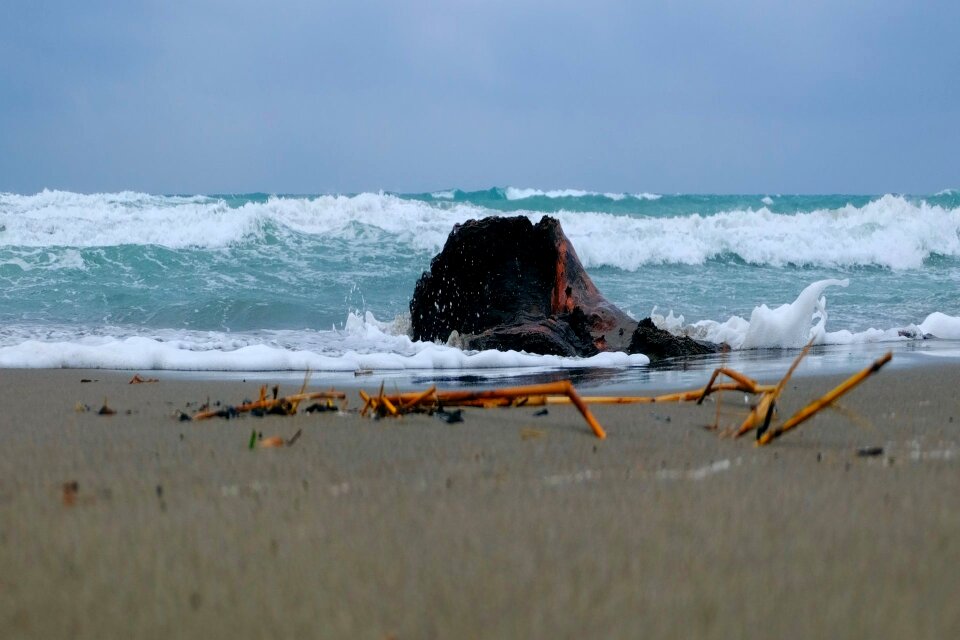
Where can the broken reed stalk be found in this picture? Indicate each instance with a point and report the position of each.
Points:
(761, 415)
(744, 383)
(416, 399)
(716, 402)
(564, 388)
(264, 403)
(389, 405)
(682, 396)
(367, 402)
(824, 401)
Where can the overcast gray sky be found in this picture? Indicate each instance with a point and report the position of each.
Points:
(304, 97)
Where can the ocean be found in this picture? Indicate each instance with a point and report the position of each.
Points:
(259, 282)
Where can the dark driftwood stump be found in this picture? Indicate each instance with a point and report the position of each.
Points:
(505, 283)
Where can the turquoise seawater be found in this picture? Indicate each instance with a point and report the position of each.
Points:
(211, 274)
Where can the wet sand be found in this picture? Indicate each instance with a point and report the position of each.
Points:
(507, 525)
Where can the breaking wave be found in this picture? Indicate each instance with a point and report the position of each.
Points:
(366, 343)
(890, 231)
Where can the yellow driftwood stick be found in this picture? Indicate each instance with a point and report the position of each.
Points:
(367, 402)
(824, 401)
(415, 400)
(744, 383)
(564, 388)
(389, 405)
(381, 401)
(494, 403)
(682, 396)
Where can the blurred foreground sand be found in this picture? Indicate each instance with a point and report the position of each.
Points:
(414, 528)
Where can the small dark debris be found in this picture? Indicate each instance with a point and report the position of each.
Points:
(105, 410)
(869, 452)
(159, 490)
(294, 437)
(819, 456)
(229, 412)
(450, 417)
(281, 409)
(258, 413)
(317, 407)
(83, 380)
(184, 417)
(542, 412)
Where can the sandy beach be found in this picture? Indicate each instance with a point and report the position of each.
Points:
(506, 525)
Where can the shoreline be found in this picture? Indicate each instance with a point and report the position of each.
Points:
(508, 524)
(669, 375)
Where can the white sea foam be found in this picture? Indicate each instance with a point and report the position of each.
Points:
(889, 231)
(363, 343)
(57, 218)
(789, 325)
(941, 325)
(515, 193)
(53, 218)
(792, 325)
(366, 343)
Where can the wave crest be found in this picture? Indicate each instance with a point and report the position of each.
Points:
(889, 231)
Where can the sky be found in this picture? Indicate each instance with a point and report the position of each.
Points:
(743, 96)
